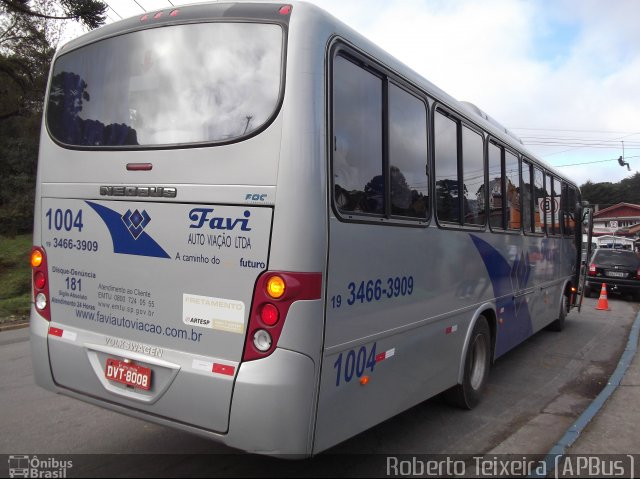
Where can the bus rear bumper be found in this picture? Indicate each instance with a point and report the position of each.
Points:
(272, 411)
(38, 331)
(273, 406)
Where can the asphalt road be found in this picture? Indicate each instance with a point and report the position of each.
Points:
(534, 394)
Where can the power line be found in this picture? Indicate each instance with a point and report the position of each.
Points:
(119, 16)
(619, 132)
(143, 9)
(575, 145)
(585, 163)
(586, 146)
(597, 161)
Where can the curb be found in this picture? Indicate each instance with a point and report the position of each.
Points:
(14, 326)
(560, 449)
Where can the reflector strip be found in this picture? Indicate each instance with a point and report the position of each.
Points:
(385, 355)
(201, 365)
(55, 332)
(211, 367)
(62, 333)
(69, 335)
(223, 369)
(451, 329)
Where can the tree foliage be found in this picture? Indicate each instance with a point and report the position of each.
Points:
(607, 194)
(91, 13)
(29, 32)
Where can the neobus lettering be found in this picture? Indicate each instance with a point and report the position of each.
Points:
(201, 216)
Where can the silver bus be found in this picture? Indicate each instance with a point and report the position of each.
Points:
(255, 225)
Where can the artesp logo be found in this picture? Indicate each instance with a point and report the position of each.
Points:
(200, 216)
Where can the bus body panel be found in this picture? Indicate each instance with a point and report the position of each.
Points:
(189, 166)
(176, 296)
(281, 423)
(273, 405)
(408, 294)
(409, 344)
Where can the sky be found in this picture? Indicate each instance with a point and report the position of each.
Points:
(563, 75)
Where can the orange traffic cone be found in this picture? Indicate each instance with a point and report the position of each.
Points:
(603, 302)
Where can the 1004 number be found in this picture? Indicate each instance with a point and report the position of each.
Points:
(354, 364)
(64, 219)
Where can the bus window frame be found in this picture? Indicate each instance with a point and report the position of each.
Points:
(284, 25)
(340, 47)
(554, 195)
(503, 149)
(531, 230)
(461, 122)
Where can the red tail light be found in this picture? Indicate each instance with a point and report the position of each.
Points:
(268, 312)
(40, 278)
(269, 315)
(592, 269)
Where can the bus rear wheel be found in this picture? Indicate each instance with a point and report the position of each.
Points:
(558, 324)
(476, 368)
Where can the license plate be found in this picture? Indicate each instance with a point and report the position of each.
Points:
(129, 374)
(616, 274)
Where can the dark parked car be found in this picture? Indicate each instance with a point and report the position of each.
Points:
(620, 270)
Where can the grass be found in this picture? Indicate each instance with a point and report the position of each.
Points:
(15, 277)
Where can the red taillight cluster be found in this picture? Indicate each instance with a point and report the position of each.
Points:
(592, 269)
(40, 282)
(274, 294)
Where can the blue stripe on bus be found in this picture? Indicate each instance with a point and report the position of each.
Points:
(127, 234)
(514, 319)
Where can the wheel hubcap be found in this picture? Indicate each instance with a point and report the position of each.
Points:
(478, 361)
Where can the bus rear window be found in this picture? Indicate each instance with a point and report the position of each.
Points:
(176, 85)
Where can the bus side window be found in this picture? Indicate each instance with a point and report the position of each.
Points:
(473, 177)
(408, 154)
(526, 197)
(539, 200)
(512, 182)
(357, 130)
(556, 206)
(569, 209)
(547, 206)
(446, 166)
(495, 187)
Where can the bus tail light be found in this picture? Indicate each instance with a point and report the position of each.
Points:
(262, 340)
(40, 278)
(273, 295)
(592, 269)
(269, 314)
